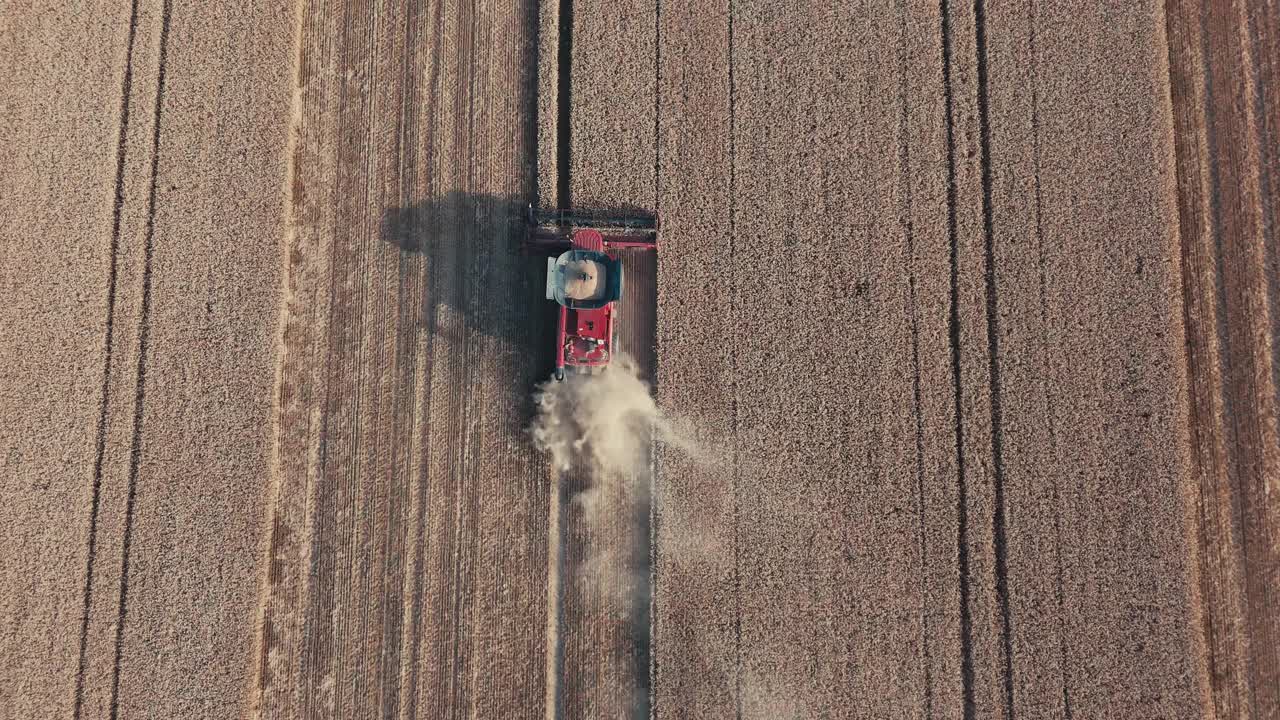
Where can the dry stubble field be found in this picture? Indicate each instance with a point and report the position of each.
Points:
(976, 302)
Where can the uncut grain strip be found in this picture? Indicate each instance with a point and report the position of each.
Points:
(696, 663)
(62, 120)
(695, 597)
(1228, 199)
(547, 86)
(1111, 385)
(213, 227)
(829, 548)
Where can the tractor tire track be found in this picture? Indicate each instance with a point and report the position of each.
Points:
(953, 329)
(167, 475)
(66, 176)
(1042, 285)
(908, 229)
(993, 359)
(101, 441)
(144, 332)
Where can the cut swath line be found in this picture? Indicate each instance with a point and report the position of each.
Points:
(144, 331)
(553, 699)
(556, 561)
(953, 322)
(646, 629)
(101, 440)
(564, 106)
(733, 375)
(277, 517)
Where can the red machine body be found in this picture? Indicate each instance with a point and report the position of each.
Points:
(584, 335)
(587, 330)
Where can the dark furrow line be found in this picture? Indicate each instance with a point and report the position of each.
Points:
(1263, 83)
(100, 444)
(1187, 276)
(1055, 489)
(657, 106)
(477, 278)
(322, 569)
(419, 404)
(460, 435)
(904, 160)
(999, 521)
(403, 392)
(366, 446)
(350, 662)
(464, 287)
(953, 322)
(433, 101)
(1266, 149)
(1239, 494)
(144, 332)
(404, 404)
(564, 106)
(424, 480)
(733, 376)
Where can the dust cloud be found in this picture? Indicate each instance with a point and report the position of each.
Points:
(602, 431)
(606, 423)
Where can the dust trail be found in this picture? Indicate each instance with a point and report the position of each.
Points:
(604, 427)
(600, 430)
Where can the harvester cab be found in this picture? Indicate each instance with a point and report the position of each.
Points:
(585, 279)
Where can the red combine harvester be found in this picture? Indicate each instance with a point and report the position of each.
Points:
(584, 276)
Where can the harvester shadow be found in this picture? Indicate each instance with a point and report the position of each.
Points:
(483, 300)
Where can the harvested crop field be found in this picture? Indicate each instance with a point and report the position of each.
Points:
(962, 333)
